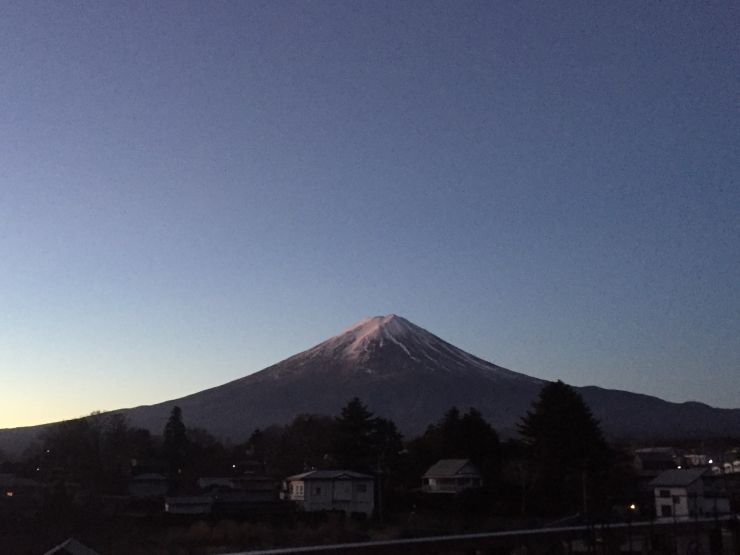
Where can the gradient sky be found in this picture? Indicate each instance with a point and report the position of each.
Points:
(190, 192)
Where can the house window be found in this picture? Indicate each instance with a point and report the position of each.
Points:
(361, 488)
(666, 510)
(676, 499)
(317, 490)
(664, 493)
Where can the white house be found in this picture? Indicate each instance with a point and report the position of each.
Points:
(684, 493)
(332, 490)
(451, 476)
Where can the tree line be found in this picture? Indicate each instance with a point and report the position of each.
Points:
(560, 464)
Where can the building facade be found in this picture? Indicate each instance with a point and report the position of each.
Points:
(332, 490)
(687, 493)
(451, 476)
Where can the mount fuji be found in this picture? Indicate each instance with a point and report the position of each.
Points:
(411, 376)
(398, 369)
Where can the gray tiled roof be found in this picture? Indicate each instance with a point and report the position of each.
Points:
(447, 468)
(678, 477)
(656, 454)
(329, 475)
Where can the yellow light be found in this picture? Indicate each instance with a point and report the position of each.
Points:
(633, 506)
(9, 494)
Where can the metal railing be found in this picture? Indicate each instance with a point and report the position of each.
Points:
(511, 538)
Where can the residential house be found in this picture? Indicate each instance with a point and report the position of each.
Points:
(727, 462)
(148, 485)
(332, 490)
(685, 493)
(696, 459)
(258, 489)
(651, 461)
(451, 476)
(241, 495)
(188, 505)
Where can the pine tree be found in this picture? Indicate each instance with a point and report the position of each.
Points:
(355, 430)
(364, 442)
(175, 441)
(565, 448)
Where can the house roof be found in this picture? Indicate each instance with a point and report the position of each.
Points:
(71, 547)
(189, 500)
(150, 476)
(209, 482)
(670, 450)
(448, 468)
(656, 454)
(678, 477)
(329, 475)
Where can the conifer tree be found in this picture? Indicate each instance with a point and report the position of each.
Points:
(354, 448)
(364, 442)
(566, 450)
(175, 441)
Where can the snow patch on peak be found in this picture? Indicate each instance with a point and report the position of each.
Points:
(361, 344)
(381, 326)
(356, 340)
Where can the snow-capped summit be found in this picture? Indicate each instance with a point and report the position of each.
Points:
(356, 340)
(361, 340)
(391, 345)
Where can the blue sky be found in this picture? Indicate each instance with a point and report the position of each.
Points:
(190, 192)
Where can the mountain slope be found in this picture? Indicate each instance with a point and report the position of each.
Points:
(400, 370)
(405, 373)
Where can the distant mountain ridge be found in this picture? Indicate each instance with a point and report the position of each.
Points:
(403, 372)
